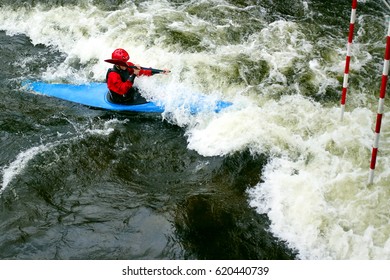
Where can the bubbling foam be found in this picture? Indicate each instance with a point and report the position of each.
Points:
(314, 187)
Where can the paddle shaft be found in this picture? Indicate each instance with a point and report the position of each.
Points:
(123, 63)
(154, 71)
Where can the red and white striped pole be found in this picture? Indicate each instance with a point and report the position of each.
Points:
(380, 108)
(348, 58)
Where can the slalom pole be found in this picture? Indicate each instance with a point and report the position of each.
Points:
(380, 108)
(348, 58)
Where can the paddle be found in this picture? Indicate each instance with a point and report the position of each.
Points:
(121, 63)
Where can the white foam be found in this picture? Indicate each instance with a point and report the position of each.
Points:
(320, 201)
(314, 187)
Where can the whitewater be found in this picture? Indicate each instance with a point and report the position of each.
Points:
(284, 81)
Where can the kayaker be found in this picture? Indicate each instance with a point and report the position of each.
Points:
(120, 78)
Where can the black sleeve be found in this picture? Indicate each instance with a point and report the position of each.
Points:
(132, 78)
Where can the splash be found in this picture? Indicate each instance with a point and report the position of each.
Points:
(18, 166)
(283, 82)
(20, 163)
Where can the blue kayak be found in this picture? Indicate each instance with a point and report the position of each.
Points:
(95, 95)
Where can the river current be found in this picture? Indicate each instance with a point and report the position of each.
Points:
(275, 176)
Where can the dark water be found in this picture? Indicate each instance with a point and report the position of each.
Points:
(138, 193)
(80, 183)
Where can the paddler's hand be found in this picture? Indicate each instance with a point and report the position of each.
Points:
(136, 70)
(166, 71)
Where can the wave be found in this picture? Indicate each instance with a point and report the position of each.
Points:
(284, 77)
(81, 131)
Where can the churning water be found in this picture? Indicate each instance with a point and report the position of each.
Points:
(275, 176)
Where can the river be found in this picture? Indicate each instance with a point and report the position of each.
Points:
(275, 176)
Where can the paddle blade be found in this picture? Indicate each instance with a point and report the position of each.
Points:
(116, 62)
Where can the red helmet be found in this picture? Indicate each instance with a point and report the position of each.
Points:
(121, 55)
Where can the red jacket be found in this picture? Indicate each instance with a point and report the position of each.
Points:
(117, 80)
